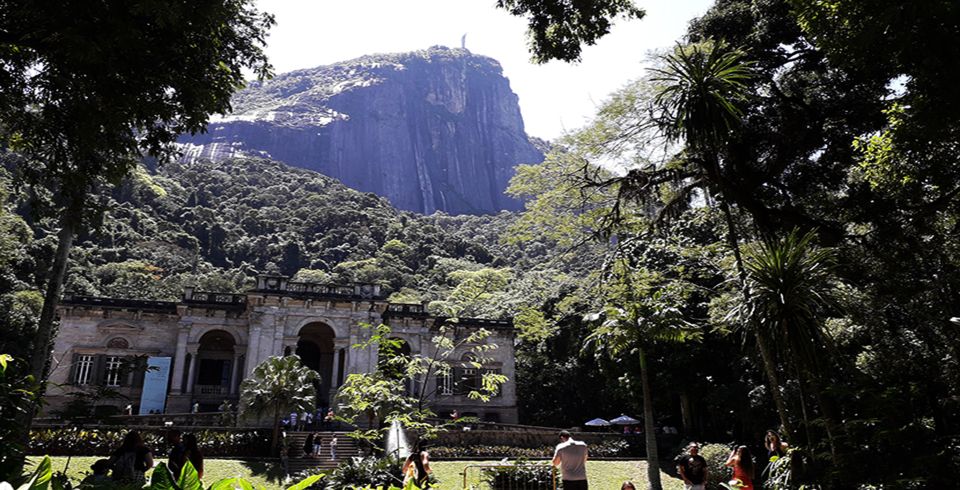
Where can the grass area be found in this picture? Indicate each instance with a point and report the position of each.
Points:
(602, 474)
(256, 472)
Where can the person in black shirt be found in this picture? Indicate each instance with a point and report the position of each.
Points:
(693, 468)
(178, 454)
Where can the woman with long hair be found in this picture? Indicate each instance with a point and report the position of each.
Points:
(742, 463)
(774, 445)
(131, 460)
(193, 453)
(417, 469)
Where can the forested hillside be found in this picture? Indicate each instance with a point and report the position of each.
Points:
(217, 224)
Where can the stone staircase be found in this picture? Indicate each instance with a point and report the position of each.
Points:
(346, 449)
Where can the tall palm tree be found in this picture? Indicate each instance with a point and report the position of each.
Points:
(277, 386)
(791, 284)
(701, 88)
(639, 313)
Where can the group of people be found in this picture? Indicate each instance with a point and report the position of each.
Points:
(129, 463)
(571, 456)
(694, 471)
(322, 418)
(313, 446)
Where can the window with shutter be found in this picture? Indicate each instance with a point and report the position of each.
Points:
(470, 380)
(83, 369)
(112, 371)
(445, 384)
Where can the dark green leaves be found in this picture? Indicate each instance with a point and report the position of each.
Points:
(701, 87)
(558, 29)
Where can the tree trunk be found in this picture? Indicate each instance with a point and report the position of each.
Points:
(766, 354)
(41, 347)
(770, 367)
(803, 405)
(653, 458)
(686, 413)
(40, 354)
(276, 430)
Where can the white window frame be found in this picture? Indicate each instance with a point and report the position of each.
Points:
(84, 369)
(445, 382)
(112, 371)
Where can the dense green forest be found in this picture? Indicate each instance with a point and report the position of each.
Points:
(762, 231)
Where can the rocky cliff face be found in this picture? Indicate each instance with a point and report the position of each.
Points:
(438, 129)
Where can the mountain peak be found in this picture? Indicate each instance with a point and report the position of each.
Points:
(432, 130)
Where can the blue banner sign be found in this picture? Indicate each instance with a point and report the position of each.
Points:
(154, 396)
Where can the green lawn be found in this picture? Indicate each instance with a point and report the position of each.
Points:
(603, 474)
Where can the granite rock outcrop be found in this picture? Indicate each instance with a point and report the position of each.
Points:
(433, 130)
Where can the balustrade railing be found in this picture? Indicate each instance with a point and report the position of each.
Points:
(210, 389)
(220, 299)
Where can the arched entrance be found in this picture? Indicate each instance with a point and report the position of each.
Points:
(215, 369)
(316, 350)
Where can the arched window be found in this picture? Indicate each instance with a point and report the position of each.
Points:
(118, 343)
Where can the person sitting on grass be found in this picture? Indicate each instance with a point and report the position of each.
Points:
(193, 453)
(99, 476)
(131, 460)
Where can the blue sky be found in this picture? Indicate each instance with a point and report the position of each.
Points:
(553, 98)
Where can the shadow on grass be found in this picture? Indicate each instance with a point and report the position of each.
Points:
(268, 470)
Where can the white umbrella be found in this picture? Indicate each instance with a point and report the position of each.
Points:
(625, 420)
(597, 423)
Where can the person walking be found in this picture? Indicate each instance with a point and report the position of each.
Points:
(693, 468)
(317, 439)
(308, 445)
(741, 461)
(571, 457)
(333, 448)
(131, 460)
(329, 418)
(293, 421)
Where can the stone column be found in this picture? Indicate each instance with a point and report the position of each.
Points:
(192, 373)
(337, 353)
(253, 357)
(180, 359)
(235, 371)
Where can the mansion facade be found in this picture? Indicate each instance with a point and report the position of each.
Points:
(174, 357)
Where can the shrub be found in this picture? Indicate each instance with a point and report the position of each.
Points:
(87, 442)
(607, 449)
(521, 475)
(716, 455)
(363, 472)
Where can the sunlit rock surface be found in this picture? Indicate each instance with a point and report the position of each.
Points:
(432, 130)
